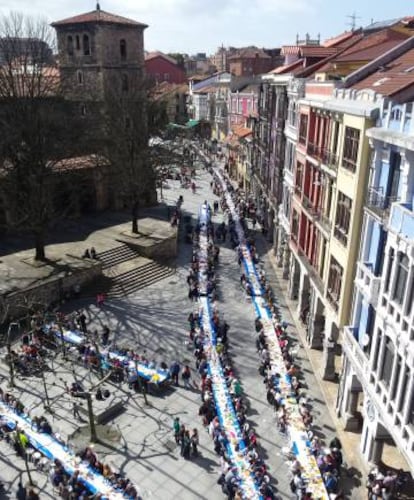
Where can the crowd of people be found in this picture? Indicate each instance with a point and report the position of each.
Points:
(70, 486)
(329, 460)
(208, 411)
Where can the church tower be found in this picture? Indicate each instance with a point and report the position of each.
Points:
(99, 53)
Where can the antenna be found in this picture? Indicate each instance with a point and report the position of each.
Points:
(352, 21)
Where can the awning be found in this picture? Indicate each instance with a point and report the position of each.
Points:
(176, 125)
(192, 123)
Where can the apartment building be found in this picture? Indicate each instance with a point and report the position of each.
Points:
(330, 176)
(376, 395)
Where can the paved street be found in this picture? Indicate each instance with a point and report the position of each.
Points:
(155, 319)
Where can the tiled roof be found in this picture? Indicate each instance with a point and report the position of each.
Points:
(391, 78)
(317, 51)
(372, 46)
(365, 48)
(288, 68)
(249, 53)
(153, 55)
(339, 39)
(80, 162)
(164, 89)
(98, 16)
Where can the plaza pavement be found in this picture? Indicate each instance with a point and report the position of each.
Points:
(155, 319)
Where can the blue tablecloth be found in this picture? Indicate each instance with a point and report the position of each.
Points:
(48, 446)
(156, 376)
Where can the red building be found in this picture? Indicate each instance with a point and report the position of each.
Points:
(162, 68)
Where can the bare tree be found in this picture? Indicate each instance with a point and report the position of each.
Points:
(38, 126)
(130, 119)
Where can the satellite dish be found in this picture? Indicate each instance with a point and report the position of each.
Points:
(365, 340)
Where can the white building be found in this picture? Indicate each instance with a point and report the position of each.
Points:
(377, 383)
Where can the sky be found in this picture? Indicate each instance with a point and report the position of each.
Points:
(192, 26)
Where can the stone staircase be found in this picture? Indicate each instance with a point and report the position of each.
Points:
(125, 272)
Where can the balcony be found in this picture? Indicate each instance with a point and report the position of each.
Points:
(312, 271)
(333, 299)
(368, 283)
(402, 220)
(341, 234)
(379, 203)
(354, 353)
(325, 222)
(329, 159)
(314, 150)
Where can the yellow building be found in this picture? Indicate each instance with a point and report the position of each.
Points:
(330, 178)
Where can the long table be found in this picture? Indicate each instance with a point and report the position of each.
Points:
(224, 404)
(48, 446)
(296, 429)
(77, 338)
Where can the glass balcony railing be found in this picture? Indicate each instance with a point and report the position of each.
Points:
(380, 204)
(402, 219)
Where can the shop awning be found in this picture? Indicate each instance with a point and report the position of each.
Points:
(192, 123)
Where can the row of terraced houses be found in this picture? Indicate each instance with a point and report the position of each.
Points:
(325, 145)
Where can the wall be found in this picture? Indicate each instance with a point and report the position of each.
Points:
(50, 291)
(158, 67)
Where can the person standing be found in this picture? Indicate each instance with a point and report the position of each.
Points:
(175, 371)
(186, 375)
(75, 410)
(194, 442)
(186, 445)
(176, 429)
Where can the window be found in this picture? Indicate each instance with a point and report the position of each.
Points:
(303, 128)
(410, 294)
(389, 270)
(388, 361)
(124, 83)
(351, 146)
(343, 218)
(166, 77)
(401, 278)
(86, 46)
(334, 282)
(70, 45)
(295, 225)
(123, 50)
(83, 110)
(79, 75)
(299, 179)
(404, 388)
(128, 122)
(77, 42)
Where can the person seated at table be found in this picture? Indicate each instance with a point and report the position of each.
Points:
(291, 370)
(44, 426)
(315, 446)
(76, 389)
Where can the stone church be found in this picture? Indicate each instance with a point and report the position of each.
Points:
(100, 60)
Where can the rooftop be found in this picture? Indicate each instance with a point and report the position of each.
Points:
(250, 52)
(153, 55)
(391, 78)
(98, 16)
(364, 48)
